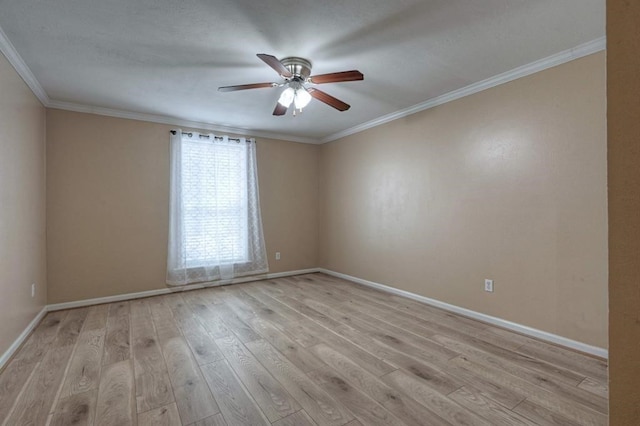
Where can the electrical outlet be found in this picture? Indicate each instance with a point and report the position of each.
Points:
(277, 255)
(488, 285)
(33, 290)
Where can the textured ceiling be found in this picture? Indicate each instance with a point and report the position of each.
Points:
(167, 57)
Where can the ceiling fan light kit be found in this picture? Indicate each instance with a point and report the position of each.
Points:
(287, 97)
(296, 72)
(302, 98)
(299, 96)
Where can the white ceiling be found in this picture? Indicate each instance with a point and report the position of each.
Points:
(167, 57)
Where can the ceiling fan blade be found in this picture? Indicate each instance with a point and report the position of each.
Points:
(279, 109)
(274, 63)
(336, 77)
(328, 99)
(246, 86)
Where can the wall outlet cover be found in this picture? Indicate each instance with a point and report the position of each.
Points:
(488, 285)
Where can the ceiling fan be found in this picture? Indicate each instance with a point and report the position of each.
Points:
(296, 74)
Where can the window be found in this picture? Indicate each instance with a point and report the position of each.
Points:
(215, 231)
(214, 186)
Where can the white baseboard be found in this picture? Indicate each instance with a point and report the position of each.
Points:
(149, 293)
(22, 337)
(523, 329)
(519, 328)
(129, 296)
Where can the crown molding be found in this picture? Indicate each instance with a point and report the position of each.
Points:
(163, 119)
(579, 51)
(10, 52)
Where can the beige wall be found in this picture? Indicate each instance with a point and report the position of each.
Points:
(623, 115)
(22, 205)
(107, 200)
(507, 184)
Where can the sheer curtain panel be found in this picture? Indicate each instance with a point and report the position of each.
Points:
(215, 229)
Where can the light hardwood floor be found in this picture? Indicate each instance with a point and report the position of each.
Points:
(304, 350)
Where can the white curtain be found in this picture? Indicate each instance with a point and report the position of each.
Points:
(215, 229)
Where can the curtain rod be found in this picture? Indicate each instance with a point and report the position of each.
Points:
(173, 132)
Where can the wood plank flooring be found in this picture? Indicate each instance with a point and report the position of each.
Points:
(304, 350)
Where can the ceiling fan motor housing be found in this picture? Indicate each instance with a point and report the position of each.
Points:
(299, 67)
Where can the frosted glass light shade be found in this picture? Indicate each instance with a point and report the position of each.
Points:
(287, 97)
(302, 98)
